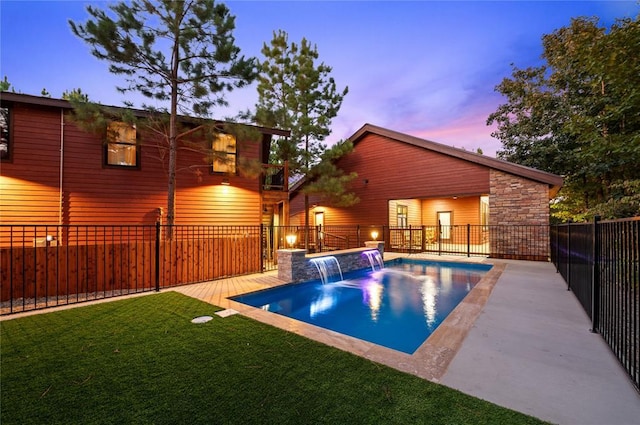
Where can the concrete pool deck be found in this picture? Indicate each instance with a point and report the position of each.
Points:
(531, 350)
(519, 340)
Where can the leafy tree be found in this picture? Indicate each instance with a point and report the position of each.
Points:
(181, 52)
(298, 94)
(579, 116)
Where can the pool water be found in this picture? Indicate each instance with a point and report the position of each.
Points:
(397, 307)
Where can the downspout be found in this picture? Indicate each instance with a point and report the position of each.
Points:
(61, 200)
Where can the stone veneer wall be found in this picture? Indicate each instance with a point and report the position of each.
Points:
(295, 266)
(521, 208)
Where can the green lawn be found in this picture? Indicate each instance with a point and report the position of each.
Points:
(141, 360)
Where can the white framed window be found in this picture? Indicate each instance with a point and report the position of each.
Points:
(402, 214)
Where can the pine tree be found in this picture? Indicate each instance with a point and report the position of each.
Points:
(75, 95)
(297, 94)
(180, 52)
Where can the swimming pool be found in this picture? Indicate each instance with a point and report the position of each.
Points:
(397, 307)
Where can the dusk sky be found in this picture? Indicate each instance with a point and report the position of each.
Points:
(425, 68)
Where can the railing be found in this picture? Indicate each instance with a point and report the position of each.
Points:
(46, 266)
(600, 262)
(275, 177)
(526, 242)
(522, 242)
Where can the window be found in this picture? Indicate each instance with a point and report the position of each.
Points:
(5, 134)
(225, 154)
(402, 212)
(122, 149)
(484, 211)
(319, 221)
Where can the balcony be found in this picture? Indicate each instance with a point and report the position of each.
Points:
(275, 182)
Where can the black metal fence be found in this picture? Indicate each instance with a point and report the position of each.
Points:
(47, 266)
(600, 262)
(523, 242)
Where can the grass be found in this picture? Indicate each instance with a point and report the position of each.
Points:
(141, 360)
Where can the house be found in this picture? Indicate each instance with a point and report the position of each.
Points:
(81, 211)
(54, 173)
(404, 181)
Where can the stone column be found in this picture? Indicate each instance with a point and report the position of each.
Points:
(519, 210)
(290, 263)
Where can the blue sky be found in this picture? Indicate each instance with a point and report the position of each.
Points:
(425, 68)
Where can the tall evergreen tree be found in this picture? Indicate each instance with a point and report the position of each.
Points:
(75, 95)
(180, 52)
(297, 93)
(579, 116)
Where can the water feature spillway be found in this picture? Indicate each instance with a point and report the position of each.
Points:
(374, 259)
(328, 268)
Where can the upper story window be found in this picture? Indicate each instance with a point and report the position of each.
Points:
(5, 133)
(121, 148)
(402, 212)
(225, 156)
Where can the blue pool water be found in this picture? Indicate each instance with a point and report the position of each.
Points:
(397, 307)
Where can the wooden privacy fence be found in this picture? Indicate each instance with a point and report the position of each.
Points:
(62, 271)
(199, 260)
(35, 275)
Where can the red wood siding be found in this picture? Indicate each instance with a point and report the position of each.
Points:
(218, 205)
(391, 170)
(108, 195)
(464, 210)
(29, 185)
(95, 194)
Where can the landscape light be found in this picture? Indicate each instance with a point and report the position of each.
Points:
(291, 240)
(374, 235)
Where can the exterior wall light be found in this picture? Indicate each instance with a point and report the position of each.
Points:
(291, 240)
(225, 182)
(374, 235)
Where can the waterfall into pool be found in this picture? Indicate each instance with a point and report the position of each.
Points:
(329, 268)
(374, 259)
(397, 308)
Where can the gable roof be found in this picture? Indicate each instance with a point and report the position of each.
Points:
(552, 180)
(29, 99)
